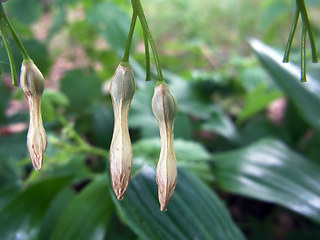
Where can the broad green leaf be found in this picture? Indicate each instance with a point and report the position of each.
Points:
(22, 216)
(7, 193)
(141, 115)
(183, 127)
(253, 77)
(305, 96)
(63, 3)
(261, 127)
(87, 215)
(10, 173)
(195, 212)
(59, 21)
(55, 210)
(270, 171)
(82, 89)
(13, 147)
(112, 22)
(50, 101)
(25, 11)
(4, 98)
(189, 154)
(256, 101)
(37, 51)
(219, 123)
(214, 118)
(102, 125)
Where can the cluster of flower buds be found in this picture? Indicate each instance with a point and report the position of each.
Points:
(164, 107)
(121, 90)
(32, 83)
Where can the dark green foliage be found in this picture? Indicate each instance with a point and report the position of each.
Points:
(248, 166)
(195, 211)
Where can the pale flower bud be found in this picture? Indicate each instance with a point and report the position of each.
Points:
(121, 91)
(164, 107)
(32, 83)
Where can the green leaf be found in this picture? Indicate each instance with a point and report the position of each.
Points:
(37, 51)
(141, 115)
(13, 147)
(7, 193)
(25, 11)
(112, 22)
(195, 212)
(10, 173)
(22, 216)
(219, 123)
(305, 96)
(189, 154)
(102, 125)
(87, 215)
(4, 99)
(214, 118)
(256, 101)
(55, 210)
(59, 21)
(270, 171)
(81, 89)
(51, 100)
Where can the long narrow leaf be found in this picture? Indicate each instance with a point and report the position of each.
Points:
(195, 212)
(87, 215)
(270, 171)
(22, 216)
(306, 96)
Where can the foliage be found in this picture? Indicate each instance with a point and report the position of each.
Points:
(246, 135)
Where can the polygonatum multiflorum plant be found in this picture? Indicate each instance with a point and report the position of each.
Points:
(164, 107)
(32, 84)
(122, 88)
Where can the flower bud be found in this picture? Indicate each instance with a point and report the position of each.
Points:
(121, 91)
(164, 107)
(32, 83)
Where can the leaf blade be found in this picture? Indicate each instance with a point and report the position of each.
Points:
(26, 209)
(270, 171)
(305, 96)
(195, 212)
(87, 215)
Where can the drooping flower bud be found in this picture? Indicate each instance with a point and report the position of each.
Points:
(121, 91)
(164, 107)
(32, 84)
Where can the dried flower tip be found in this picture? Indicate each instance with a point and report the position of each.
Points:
(121, 91)
(164, 107)
(32, 83)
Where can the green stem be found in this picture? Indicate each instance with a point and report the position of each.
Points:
(137, 5)
(291, 36)
(94, 150)
(303, 54)
(83, 146)
(10, 55)
(129, 40)
(304, 14)
(147, 53)
(14, 34)
(76, 137)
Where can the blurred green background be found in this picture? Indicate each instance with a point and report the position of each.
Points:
(246, 134)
